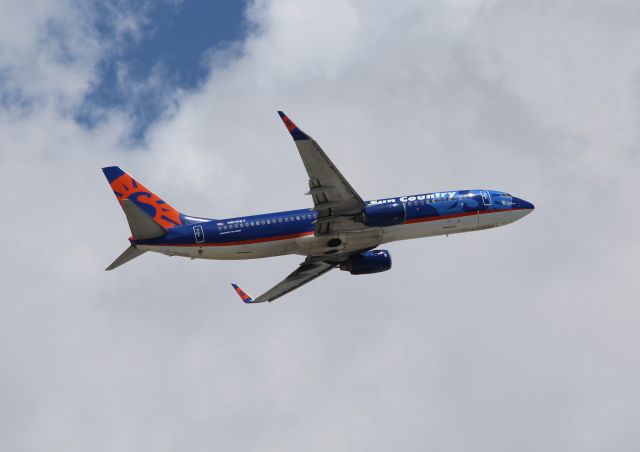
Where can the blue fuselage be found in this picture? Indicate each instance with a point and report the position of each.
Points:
(434, 213)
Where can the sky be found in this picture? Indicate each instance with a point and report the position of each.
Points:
(516, 338)
(168, 53)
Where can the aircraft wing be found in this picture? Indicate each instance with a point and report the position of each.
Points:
(309, 270)
(333, 197)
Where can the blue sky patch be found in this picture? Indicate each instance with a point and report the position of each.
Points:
(142, 74)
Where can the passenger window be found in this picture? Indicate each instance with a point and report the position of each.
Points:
(298, 217)
(226, 227)
(252, 223)
(290, 218)
(268, 221)
(286, 219)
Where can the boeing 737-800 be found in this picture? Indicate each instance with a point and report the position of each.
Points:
(341, 230)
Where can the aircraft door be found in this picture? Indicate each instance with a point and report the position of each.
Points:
(198, 233)
(486, 197)
(484, 207)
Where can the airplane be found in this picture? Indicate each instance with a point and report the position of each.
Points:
(341, 230)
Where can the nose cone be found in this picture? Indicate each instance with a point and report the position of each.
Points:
(519, 203)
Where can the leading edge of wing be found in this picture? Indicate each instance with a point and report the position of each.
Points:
(293, 129)
(306, 272)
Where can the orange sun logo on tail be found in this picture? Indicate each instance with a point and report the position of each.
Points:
(126, 187)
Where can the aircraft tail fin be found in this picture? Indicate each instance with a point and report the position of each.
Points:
(142, 226)
(129, 254)
(126, 188)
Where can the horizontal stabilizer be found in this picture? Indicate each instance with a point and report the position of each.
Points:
(129, 254)
(142, 226)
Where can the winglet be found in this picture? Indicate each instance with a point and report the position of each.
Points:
(243, 295)
(293, 129)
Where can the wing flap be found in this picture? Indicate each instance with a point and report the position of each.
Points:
(326, 182)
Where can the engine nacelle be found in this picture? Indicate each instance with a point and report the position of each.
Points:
(382, 215)
(374, 261)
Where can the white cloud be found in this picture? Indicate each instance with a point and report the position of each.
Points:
(514, 338)
(49, 50)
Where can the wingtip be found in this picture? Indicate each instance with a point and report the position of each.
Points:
(293, 129)
(244, 296)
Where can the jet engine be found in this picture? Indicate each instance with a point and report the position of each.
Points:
(374, 261)
(382, 215)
